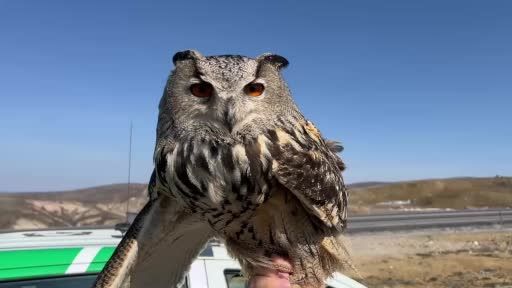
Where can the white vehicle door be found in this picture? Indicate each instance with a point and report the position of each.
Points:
(196, 277)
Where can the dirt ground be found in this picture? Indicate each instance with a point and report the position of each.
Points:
(449, 258)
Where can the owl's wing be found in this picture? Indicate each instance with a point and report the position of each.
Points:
(159, 247)
(309, 167)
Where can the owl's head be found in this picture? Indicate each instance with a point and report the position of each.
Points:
(224, 96)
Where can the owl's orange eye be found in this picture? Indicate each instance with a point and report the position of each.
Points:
(202, 89)
(254, 89)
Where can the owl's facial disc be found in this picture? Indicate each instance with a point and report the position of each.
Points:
(228, 89)
(228, 93)
(231, 107)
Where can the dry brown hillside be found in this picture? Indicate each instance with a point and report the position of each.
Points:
(106, 205)
(457, 193)
(102, 205)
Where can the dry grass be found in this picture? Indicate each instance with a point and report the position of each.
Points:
(434, 259)
(457, 193)
(11, 209)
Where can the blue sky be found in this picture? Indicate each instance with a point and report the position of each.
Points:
(414, 89)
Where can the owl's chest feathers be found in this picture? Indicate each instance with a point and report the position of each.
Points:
(226, 182)
(220, 181)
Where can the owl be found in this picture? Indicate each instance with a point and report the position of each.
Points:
(235, 159)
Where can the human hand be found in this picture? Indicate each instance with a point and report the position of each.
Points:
(267, 278)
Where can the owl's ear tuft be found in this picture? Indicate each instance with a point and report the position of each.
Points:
(334, 146)
(186, 55)
(279, 61)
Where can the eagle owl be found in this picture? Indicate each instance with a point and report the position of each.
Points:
(235, 159)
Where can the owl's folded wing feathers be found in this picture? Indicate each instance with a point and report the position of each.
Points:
(308, 166)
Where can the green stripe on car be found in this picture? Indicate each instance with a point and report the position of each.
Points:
(101, 258)
(30, 263)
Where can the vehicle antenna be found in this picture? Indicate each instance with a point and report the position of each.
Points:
(129, 172)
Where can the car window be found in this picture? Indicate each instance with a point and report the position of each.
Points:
(235, 279)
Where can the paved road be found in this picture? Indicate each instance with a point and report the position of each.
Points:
(399, 221)
(406, 221)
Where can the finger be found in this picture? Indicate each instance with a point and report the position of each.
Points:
(273, 278)
(269, 281)
(282, 265)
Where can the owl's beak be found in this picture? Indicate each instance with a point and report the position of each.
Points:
(229, 125)
(229, 117)
(230, 110)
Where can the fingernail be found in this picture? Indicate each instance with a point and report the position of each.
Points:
(283, 275)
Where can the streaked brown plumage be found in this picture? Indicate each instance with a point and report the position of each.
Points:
(251, 171)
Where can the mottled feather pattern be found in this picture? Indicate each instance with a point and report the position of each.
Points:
(311, 171)
(230, 185)
(228, 67)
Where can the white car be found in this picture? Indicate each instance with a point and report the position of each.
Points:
(73, 258)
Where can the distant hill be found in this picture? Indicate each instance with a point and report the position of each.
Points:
(106, 205)
(366, 184)
(105, 193)
(453, 193)
(102, 205)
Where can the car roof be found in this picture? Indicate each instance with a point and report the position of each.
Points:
(37, 253)
(59, 238)
(43, 253)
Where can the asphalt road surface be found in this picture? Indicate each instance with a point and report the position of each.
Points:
(408, 220)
